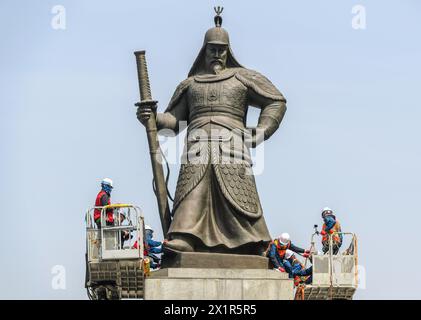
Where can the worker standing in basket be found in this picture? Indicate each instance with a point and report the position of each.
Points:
(103, 198)
(331, 227)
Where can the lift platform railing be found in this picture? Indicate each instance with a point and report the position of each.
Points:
(344, 265)
(93, 236)
(107, 241)
(335, 276)
(339, 269)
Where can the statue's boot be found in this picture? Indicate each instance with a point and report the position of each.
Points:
(180, 243)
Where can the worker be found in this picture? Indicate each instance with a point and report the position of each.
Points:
(151, 248)
(125, 234)
(296, 269)
(102, 199)
(277, 249)
(330, 228)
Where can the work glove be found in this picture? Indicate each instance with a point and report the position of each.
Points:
(323, 233)
(297, 281)
(306, 254)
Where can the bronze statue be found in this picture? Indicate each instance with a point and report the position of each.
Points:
(216, 206)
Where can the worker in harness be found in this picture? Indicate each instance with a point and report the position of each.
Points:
(277, 249)
(152, 247)
(330, 228)
(296, 269)
(103, 198)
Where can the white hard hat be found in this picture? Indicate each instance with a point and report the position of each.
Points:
(288, 254)
(148, 227)
(327, 212)
(284, 238)
(107, 181)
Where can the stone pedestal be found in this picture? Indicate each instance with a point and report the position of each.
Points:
(205, 260)
(218, 284)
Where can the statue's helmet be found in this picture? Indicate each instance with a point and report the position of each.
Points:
(215, 35)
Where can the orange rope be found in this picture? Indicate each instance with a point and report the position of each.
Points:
(299, 293)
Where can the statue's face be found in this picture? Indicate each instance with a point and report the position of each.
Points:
(216, 56)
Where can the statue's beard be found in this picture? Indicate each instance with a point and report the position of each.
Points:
(217, 67)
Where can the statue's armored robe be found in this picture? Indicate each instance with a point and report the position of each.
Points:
(216, 199)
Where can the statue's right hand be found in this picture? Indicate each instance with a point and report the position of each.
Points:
(143, 112)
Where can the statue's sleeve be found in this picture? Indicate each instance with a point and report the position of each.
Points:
(264, 95)
(176, 111)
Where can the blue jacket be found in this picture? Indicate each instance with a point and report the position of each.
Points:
(292, 268)
(274, 256)
(329, 222)
(152, 244)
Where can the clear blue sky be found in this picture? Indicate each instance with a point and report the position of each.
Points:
(349, 140)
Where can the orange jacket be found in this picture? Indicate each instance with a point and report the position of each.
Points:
(336, 238)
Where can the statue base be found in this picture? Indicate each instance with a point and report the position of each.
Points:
(213, 260)
(218, 284)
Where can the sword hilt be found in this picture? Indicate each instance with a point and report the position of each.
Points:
(143, 77)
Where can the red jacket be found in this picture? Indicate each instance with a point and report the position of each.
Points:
(103, 199)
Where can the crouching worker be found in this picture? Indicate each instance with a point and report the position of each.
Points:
(330, 228)
(151, 248)
(296, 269)
(277, 249)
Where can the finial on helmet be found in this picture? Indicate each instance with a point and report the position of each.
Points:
(218, 18)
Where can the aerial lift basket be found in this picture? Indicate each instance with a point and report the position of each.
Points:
(115, 268)
(334, 276)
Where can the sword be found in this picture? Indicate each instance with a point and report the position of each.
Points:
(154, 149)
